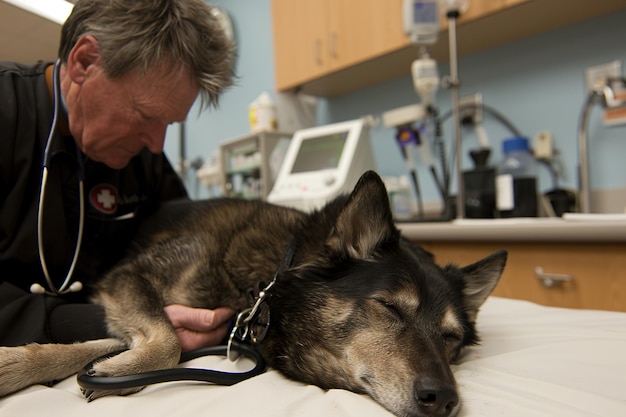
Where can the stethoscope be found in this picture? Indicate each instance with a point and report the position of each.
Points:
(66, 287)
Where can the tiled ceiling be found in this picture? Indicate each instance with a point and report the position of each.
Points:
(26, 37)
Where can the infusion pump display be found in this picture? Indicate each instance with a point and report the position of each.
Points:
(318, 153)
(322, 163)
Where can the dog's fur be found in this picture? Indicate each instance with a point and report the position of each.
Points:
(358, 308)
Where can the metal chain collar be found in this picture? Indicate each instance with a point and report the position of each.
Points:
(252, 323)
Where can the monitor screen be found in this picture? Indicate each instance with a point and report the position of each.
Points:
(317, 153)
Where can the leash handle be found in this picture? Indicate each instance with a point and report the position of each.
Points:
(99, 383)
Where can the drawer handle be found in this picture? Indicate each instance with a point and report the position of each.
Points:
(332, 42)
(551, 280)
(317, 52)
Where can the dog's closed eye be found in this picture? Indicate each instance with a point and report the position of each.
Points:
(452, 341)
(451, 337)
(390, 307)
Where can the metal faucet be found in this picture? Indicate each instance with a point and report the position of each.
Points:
(603, 96)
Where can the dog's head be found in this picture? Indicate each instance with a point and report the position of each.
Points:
(366, 310)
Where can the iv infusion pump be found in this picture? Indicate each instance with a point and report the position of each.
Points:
(322, 163)
(421, 20)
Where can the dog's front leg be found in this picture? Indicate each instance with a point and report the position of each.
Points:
(134, 313)
(23, 366)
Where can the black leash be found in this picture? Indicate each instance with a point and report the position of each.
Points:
(99, 383)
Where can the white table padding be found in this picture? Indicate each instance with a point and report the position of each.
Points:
(533, 361)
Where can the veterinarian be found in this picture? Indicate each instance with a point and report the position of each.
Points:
(90, 128)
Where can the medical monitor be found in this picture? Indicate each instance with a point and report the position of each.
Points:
(317, 153)
(321, 163)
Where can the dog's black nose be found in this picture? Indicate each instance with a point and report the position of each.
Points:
(434, 398)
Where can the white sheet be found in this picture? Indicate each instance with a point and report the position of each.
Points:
(533, 361)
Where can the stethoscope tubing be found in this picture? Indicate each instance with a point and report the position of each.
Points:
(99, 383)
(65, 286)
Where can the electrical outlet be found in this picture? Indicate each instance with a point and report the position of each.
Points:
(543, 145)
(471, 110)
(596, 76)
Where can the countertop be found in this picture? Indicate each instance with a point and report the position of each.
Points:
(571, 228)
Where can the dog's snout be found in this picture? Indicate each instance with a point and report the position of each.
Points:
(435, 399)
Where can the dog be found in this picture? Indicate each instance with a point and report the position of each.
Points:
(354, 306)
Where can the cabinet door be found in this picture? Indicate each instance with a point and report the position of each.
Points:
(300, 41)
(362, 30)
(597, 271)
(313, 38)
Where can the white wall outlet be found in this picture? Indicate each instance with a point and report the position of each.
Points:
(471, 109)
(615, 103)
(596, 76)
(543, 145)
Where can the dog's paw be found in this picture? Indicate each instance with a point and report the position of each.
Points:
(109, 367)
(91, 395)
(130, 362)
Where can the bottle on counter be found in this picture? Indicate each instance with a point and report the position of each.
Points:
(516, 180)
(262, 114)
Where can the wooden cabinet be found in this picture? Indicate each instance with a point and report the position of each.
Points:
(300, 41)
(316, 37)
(597, 271)
(332, 47)
(363, 30)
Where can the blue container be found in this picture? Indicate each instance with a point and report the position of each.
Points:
(516, 180)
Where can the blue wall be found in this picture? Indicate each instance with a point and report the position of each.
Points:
(255, 73)
(537, 83)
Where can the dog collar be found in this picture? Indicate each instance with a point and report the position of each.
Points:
(253, 323)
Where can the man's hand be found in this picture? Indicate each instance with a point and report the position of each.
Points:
(197, 327)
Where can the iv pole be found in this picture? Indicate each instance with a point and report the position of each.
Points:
(419, 24)
(182, 151)
(453, 83)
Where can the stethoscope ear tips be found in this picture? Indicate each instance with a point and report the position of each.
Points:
(37, 289)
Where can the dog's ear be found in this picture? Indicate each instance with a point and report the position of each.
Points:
(480, 280)
(365, 221)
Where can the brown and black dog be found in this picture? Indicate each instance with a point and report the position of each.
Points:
(357, 307)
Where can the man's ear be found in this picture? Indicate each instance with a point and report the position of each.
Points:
(84, 54)
(480, 280)
(365, 221)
